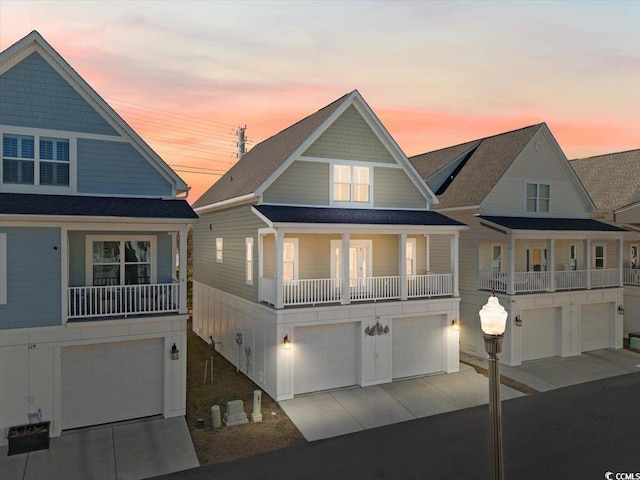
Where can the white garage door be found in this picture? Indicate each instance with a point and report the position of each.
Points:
(325, 357)
(595, 322)
(539, 333)
(110, 382)
(417, 346)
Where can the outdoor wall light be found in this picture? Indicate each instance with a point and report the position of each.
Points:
(621, 309)
(175, 353)
(286, 342)
(518, 321)
(455, 325)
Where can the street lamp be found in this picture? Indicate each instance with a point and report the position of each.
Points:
(493, 320)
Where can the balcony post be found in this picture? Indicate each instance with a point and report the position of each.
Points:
(587, 261)
(551, 264)
(455, 251)
(279, 256)
(511, 254)
(402, 260)
(182, 300)
(345, 294)
(619, 262)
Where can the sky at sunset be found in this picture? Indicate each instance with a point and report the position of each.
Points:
(186, 74)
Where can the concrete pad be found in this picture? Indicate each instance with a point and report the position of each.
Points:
(420, 398)
(86, 454)
(152, 448)
(372, 406)
(13, 467)
(466, 389)
(320, 416)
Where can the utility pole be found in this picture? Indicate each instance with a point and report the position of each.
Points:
(241, 141)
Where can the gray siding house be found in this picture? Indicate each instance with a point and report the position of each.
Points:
(532, 240)
(319, 264)
(91, 301)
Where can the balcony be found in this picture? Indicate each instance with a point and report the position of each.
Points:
(631, 276)
(369, 289)
(122, 300)
(529, 282)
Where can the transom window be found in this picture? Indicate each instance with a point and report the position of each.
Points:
(538, 196)
(35, 160)
(121, 261)
(351, 183)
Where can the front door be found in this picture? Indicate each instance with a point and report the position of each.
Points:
(358, 262)
(536, 259)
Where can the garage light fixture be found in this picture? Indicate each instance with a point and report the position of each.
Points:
(455, 324)
(286, 342)
(175, 353)
(518, 321)
(621, 309)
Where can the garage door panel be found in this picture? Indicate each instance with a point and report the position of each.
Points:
(111, 382)
(325, 357)
(595, 324)
(539, 333)
(417, 346)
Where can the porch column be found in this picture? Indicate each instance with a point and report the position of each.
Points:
(345, 293)
(455, 250)
(511, 253)
(402, 260)
(551, 264)
(64, 273)
(587, 261)
(279, 255)
(619, 262)
(182, 269)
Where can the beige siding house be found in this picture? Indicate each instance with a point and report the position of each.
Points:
(319, 263)
(532, 241)
(613, 182)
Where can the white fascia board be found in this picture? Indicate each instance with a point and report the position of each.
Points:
(331, 228)
(34, 42)
(231, 202)
(94, 223)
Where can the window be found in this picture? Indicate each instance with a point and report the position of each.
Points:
(120, 261)
(219, 244)
(3, 268)
(33, 160)
(496, 258)
(633, 257)
(411, 256)
(537, 198)
(351, 184)
(249, 258)
(599, 259)
(290, 259)
(573, 257)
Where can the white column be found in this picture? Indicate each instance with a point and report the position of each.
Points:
(64, 273)
(511, 253)
(344, 267)
(182, 269)
(455, 255)
(587, 261)
(619, 262)
(279, 256)
(402, 263)
(551, 264)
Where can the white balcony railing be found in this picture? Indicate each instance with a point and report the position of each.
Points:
(329, 290)
(122, 300)
(525, 282)
(631, 276)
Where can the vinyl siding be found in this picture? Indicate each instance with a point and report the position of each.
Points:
(392, 188)
(440, 253)
(468, 248)
(33, 277)
(234, 225)
(33, 94)
(117, 168)
(543, 167)
(350, 138)
(303, 183)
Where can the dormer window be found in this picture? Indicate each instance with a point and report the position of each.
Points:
(351, 184)
(537, 200)
(35, 160)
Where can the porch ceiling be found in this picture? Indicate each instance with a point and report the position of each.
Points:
(275, 214)
(545, 224)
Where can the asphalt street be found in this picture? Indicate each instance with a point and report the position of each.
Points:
(577, 432)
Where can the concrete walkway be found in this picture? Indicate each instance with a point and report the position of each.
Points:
(339, 412)
(124, 451)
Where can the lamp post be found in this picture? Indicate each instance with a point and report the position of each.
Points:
(493, 320)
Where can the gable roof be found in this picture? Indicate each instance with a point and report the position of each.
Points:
(610, 179)
(34, 42)
(488, 161)
(262, 164)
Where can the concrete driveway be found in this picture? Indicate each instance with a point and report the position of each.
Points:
(124, 451)
(335, 413)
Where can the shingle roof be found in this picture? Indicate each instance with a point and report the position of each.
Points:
(551, 224)
(262, 160)
(486, 165)
(70, 205)
(359, 216)
(611, 179)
